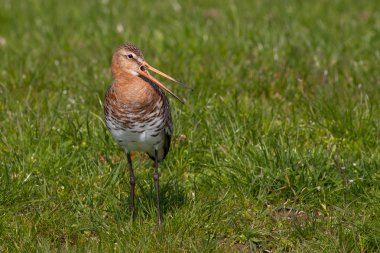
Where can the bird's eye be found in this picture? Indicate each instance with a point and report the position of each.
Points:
(130, 56)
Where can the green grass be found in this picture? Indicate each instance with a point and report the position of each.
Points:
(285, 113)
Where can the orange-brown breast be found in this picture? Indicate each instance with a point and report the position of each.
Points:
(131, 98)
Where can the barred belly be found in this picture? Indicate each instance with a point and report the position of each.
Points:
(144, 126)
(144, 135)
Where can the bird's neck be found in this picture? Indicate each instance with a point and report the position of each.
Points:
(134, 90)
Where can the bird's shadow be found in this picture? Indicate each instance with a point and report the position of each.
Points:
(172, 196)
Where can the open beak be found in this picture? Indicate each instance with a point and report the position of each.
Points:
(145, 74)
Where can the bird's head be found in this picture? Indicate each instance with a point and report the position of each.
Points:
(129, 60)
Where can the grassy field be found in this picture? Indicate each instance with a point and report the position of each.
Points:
(285, 114)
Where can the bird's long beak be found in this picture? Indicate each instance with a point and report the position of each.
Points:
(145, 74)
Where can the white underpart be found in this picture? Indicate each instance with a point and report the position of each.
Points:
(133, 140)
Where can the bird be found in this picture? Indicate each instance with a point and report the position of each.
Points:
(137, 112)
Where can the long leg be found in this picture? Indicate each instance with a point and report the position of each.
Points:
(132, 182)
(157, 185)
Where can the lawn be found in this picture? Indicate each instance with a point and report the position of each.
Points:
(276, 149)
